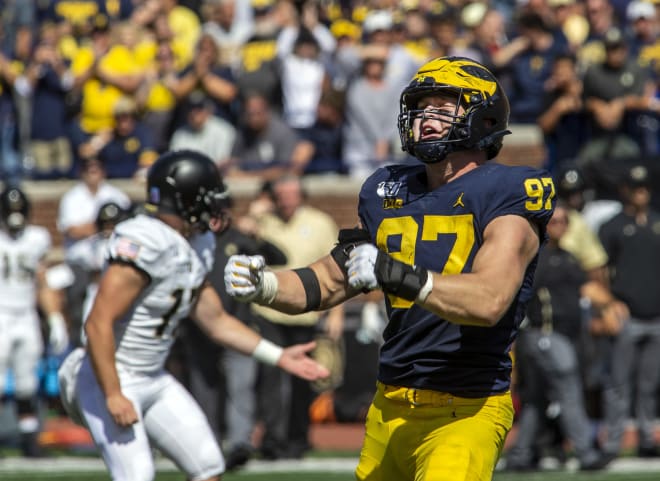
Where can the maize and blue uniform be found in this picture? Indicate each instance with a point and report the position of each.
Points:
(443, 388)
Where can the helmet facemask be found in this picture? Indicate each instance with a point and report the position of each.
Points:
(413, 119)
(15, 209)
(15, 222)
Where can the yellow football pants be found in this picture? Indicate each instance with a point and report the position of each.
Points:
(422, 435)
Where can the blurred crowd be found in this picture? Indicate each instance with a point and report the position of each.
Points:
(279, 89)
(266, 86)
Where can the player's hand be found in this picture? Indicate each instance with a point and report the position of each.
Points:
(295, 360)
(58, 338)
(614, 317)
(244, 276)
(361, 267)
(121, 409)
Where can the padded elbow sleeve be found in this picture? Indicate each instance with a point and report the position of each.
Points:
(348, 239)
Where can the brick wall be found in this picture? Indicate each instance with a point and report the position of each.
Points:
(45, 198)
(335, 195)
(44, 212)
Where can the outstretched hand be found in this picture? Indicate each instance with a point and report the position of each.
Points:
(295, 360)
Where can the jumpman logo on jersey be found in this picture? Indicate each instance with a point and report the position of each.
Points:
(459, 201)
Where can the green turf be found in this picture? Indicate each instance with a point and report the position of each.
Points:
(180, 477)
(566, 476)
(242, 476)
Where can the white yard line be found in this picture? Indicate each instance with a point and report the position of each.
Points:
(74, 464)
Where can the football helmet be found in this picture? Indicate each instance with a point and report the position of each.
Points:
(571, 181)
(188, 184)
(14, 209)
(481, 126)
(109, 215)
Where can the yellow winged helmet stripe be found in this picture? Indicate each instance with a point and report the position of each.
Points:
(450, 72)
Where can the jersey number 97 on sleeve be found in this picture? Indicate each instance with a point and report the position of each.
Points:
(541, 191)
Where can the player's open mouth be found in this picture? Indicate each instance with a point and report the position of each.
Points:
(429, 133)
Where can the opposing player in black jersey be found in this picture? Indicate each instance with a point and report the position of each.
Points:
(453, 243)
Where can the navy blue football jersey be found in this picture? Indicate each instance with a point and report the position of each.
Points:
(442, 230)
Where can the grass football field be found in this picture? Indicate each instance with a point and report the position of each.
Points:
(329, 476)
(335, 469)
(307, 476)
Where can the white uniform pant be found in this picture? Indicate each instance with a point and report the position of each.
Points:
(21, 347)
(168, 417)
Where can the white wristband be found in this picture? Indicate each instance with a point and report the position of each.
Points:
(267, 352)
(269, 286)
(426, 289)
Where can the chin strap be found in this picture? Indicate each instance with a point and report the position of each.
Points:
(431, 152)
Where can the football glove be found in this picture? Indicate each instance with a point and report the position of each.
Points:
(360, 267)
(247, 280)
(369, 268)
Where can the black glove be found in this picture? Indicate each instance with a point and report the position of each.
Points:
(398, 278)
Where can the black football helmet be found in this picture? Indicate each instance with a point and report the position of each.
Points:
(571, 181)
(188, 184)
(14, 209)
(109, 215)
(486, 116)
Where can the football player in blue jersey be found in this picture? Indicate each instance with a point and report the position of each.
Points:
(453, 243)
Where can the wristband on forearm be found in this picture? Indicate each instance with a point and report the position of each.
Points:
(413, 283)
(269, 285)
(56, 318)
(267, 352)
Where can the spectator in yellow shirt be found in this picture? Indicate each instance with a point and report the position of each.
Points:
(184, 24)
(103, 73)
